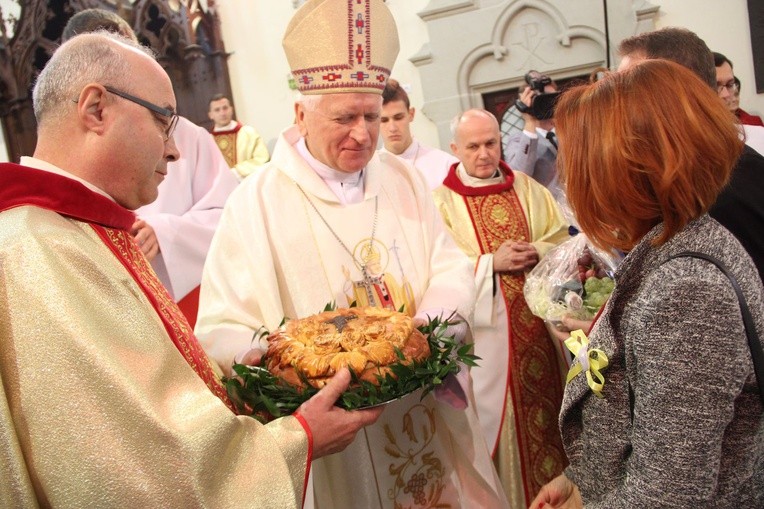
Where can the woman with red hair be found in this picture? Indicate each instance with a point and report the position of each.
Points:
(662, 407)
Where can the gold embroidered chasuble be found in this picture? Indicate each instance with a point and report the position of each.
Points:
(243, 148)
(101, 408)
(526, 444)
(226, 142)
(273, 256)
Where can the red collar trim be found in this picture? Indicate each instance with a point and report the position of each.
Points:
(235, 130)
(20, 185)
(453, 183)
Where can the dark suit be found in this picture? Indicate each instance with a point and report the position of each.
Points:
(740, 206)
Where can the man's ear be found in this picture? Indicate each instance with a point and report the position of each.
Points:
(91, 106)
(299, 118)
(454, 150)
(412, 111)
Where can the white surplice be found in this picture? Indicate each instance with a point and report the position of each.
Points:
(187, 211)
(274, 257)
(432, 163)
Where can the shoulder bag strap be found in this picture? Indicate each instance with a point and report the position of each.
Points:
(757, 354)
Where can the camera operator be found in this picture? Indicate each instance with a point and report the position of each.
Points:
(534, 150)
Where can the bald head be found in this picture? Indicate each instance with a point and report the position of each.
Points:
(100, 57)
(470, 118)
(477, 142)
(105, 109)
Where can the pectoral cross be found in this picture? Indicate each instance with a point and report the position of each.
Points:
(369, 282)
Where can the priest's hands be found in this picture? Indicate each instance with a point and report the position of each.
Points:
(146, 238)
(559, 493)
(515, 256)
(332, 427)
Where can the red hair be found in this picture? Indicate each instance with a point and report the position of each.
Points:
(648, 145)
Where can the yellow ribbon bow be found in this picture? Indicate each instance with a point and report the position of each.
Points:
(592, 361)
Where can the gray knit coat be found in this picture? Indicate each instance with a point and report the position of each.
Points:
(681, 423)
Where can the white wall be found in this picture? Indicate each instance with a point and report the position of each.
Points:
(4, 158)
(252, 30)
(726, 30)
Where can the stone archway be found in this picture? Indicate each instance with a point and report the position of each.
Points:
(499, 41)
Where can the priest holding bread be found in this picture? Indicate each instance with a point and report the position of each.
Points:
(330, 221)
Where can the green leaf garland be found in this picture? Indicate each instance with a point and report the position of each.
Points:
(257, 392)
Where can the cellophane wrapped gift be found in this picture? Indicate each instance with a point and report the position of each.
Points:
(574, 279)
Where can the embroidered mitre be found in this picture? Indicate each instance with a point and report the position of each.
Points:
(336, 46)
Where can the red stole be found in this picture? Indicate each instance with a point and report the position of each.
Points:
(226, 141)
(534, 372)
(20, 186)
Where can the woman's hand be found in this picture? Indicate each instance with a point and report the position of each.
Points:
(559, 493)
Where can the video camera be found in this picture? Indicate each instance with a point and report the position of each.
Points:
(542, 104)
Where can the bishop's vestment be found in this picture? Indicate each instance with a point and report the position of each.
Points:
(279, 253)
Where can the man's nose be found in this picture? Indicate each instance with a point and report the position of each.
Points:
(360, 132)
(171, 152)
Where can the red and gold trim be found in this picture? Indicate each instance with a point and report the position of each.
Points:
(533, 367)
(122, 244)
(22, 186)
(226, 142)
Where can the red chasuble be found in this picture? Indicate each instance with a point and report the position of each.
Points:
(534, 372)
(20, 186)
(226, 141)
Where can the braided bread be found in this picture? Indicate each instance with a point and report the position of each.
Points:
(364, 339)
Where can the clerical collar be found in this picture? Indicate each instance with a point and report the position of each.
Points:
(228, 127)
(457, 180)
(347, 187)
(411, 151)
(39, 164)
(471, 181)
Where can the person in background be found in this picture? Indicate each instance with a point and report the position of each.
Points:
(175, 231)
(505, 222)
(330, 220)
(241, 145)
(727, 88)
(741, 114)
(108, 398)
(740, 205)
(534, 150)
(676, 419)
(397, 115)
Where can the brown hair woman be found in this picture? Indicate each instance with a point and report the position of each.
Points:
(678, 421)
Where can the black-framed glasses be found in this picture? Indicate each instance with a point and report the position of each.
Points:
(731, 87)
(150, 106)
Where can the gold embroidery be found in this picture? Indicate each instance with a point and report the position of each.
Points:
(182, 335)
(419, 474)
(533, 361)
(227, 145)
